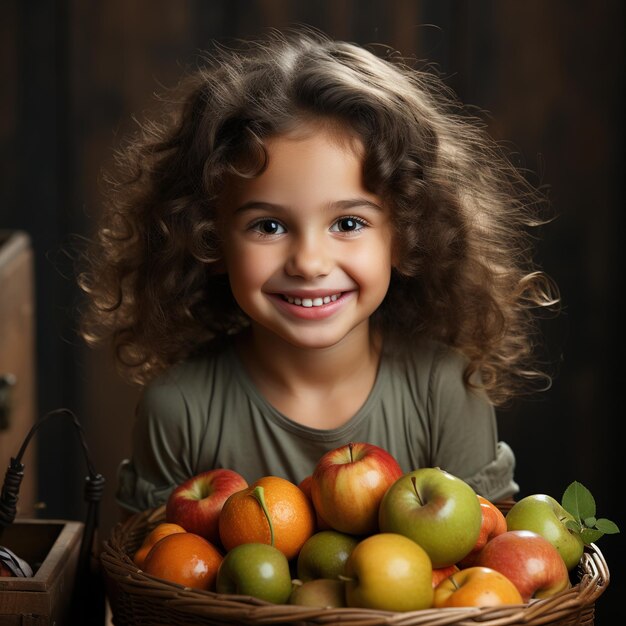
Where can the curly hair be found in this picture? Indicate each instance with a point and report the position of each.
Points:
(461, 211)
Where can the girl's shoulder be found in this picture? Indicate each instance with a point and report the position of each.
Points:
(428, 369)
(427, 357)
(198, 373)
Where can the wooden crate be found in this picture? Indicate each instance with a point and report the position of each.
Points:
(52, 549)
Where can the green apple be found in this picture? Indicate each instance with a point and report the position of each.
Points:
(544, 515)
(389, 572)
(437, 510)
(322, 592)
(324, 555)
(255, 569)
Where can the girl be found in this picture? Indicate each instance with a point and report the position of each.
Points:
(315, 246)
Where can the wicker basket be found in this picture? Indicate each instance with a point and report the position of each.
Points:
(138, 599)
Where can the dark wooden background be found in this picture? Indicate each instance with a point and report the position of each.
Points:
(549, 73)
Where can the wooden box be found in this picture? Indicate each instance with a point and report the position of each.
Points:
(52, 549)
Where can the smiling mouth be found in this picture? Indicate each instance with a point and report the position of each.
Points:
(311, 302)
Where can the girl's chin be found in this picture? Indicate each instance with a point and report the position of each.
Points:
(308, 338)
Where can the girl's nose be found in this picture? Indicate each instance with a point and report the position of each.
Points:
(309, 258)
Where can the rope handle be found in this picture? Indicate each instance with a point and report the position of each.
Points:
(87, 604)
(94, 482)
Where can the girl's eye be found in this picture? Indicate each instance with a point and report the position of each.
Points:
(348, 224)
(268, 227)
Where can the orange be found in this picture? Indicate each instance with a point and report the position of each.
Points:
(292, 517)
(441, 573)
(305, 485)
(158, 532)
(476, 586)
(493, 524)
(186, 559)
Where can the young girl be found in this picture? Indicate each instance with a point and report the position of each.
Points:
(315, 246)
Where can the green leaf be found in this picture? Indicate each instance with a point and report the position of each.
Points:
(572, 525)
(588, 535)
(590, 522)
(578, 501)
(607, 526)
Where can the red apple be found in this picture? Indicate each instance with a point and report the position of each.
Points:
(545, 515)
(493, 524)
(196, 503)
(528, 560)
(348, 484)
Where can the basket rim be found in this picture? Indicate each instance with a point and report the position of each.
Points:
(593, 572)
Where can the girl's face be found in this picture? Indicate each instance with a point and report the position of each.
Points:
(307, 248)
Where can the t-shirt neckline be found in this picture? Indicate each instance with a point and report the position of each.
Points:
(280, 419)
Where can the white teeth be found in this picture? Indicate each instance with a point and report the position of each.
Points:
(310, 302)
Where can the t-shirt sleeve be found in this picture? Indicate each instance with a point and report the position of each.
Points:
(160, 449)
(464, 432)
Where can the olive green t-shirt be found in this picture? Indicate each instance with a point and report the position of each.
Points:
(207, 413)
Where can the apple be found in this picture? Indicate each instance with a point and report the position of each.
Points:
(326, 593)
(389, 572)
(324, 555)
(493, 524)
(441, 573)
(196, 503)
(476, 586)
(255, 569)
(544, 515)
(437, 510)
(348, 484)
(528, 560)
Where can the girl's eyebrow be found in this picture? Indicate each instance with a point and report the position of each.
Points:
(341, 205)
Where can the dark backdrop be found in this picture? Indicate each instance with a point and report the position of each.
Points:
(550, 75)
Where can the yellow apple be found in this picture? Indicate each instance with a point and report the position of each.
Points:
(390, 572)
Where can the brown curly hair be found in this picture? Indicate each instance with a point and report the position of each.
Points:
(460, 209)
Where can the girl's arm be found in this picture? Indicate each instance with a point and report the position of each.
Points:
(464, 432)
(161, 449)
